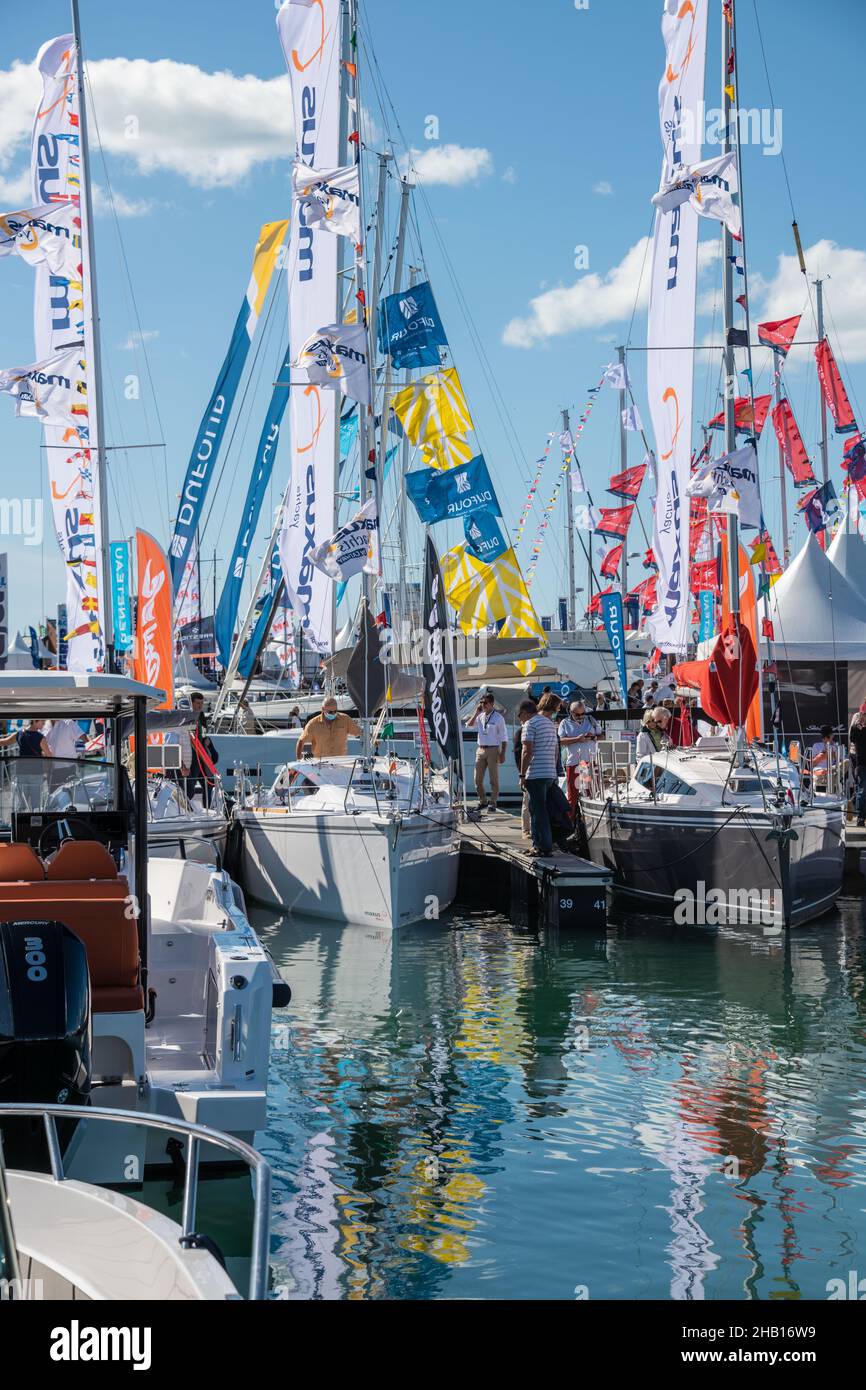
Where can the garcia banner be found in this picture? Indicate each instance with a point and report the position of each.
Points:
(671, 320)
(611, 615)
(154, 637)
(120, 595)
(227, 610)
(61, 317)
(440, 686)
(213, 424)
(310, 38)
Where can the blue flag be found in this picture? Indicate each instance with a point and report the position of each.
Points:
(821, 507)
(484, 537)
(257, 637)
(448, 494)
(227, 611)
(410, 328)
(708, 614)
(611, 614)
(121, 606)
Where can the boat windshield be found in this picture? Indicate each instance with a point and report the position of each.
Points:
(60, 784)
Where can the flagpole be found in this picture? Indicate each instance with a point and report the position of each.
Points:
(728, 322)
(819, 307)
(92, 350)
(569, 532)
(623, 465)
(777, 396)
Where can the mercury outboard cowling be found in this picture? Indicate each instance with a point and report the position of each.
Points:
(45, 1032)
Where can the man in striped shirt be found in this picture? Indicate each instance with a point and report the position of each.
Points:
(538, 769)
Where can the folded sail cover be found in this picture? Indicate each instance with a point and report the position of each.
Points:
(834, 392)
(791, 444)
(728, 682)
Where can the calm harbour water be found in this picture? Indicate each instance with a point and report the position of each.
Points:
(469, 1110)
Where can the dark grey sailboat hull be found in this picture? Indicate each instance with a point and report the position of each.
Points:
(655, 851)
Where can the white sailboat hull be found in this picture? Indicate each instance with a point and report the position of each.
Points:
(368, 869)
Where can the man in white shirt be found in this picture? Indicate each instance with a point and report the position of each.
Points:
(492, 743)
(62, 740)
(578, 735)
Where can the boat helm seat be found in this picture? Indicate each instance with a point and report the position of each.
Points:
(80, 886)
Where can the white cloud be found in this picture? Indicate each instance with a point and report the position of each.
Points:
(510, 175)
(136, 340)
(123, 206)
(211, 128)
(593, 301)
(450, 164)
(844, 271)
(603, 188)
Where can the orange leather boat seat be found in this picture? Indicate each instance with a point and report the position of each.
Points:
(81, 887)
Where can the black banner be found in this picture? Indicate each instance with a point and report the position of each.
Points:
(440, 685)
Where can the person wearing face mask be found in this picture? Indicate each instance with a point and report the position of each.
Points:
(327, 734)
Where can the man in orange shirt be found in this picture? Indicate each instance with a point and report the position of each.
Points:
(328, 733)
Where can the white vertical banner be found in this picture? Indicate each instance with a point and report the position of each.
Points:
(187, 603)
(671, 319)
(62, 317)
(310, 35)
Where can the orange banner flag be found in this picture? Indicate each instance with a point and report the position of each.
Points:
(153, 661)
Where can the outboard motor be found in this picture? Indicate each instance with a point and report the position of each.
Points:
(45, 1030)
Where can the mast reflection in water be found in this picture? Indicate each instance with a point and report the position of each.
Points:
(464, 1109)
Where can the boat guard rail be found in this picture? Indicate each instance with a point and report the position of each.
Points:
(196, 1136)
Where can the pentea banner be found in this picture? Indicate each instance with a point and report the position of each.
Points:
(153, 660)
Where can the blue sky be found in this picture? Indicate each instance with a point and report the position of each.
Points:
(547, 140)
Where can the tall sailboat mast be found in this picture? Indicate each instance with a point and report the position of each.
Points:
(728, 307)
(95, 412)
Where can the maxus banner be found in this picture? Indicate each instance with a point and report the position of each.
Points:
(671, 320)
(310, 36)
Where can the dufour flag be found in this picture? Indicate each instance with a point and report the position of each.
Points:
(410, 328)
(484, 537)
(49, 235)
(154, 634)
(209, 437)
(53, 391)
(227, 610)
(445, 495)
(310, 38)
(612, 617)
(354, 548)
(671, 319)
(62, 315)
(336, 357)
(329, 199)
(121, 606)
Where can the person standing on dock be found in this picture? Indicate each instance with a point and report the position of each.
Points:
(328, 733)
(492, 743)
(538, 769)
(578, 735)
(857, 754)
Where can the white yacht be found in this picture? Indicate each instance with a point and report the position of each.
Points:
(66, 1239)
(353, 840)
(164, 991)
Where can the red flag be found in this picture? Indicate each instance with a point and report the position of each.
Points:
(610, 563)
(649, 560)
(704, 577)
(614, 520)
(743, 418)
(653, 664)
(645, 591)
(834, 392)
(779, 334)
(628, 483)
(767, 630)
(791, 444)
(595, 605)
